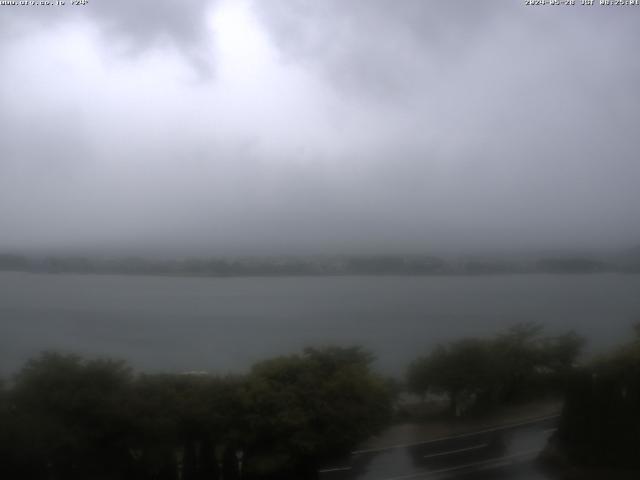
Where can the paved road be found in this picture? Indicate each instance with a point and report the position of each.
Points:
(505, 452)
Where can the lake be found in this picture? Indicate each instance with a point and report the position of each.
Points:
(225, 324)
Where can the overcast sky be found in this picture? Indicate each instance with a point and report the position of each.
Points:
(318, 126)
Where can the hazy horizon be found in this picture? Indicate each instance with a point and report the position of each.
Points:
(155, 253)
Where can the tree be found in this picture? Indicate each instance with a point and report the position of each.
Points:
(303, 408)
(512, 366)
(69, 418)
(72, 415)
(418, 377)
(463, 370)
(186, 416)
(600, 422)
(519, 354)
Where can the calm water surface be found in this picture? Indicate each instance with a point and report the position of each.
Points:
(225, 324)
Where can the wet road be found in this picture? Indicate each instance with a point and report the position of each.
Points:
(506, 452)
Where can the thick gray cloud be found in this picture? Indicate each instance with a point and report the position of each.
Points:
(379, 46)
(526, 111)
(385, 46)
(127, 27)
(147, 21)
(329, 126)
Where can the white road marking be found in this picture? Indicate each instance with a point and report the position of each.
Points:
(337, 469)
(496, 428)
(451, 452)
(491, 463)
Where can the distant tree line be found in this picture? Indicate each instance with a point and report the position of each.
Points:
(64, 417)
(337, 265)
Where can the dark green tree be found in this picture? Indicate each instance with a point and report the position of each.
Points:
(463, 370)
(515, 365)
(72, 416)
(305, 408)
(600, 423)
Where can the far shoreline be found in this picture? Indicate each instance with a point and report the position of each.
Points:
(408, 265)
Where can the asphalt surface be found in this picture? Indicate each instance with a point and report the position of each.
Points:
(499, 452)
